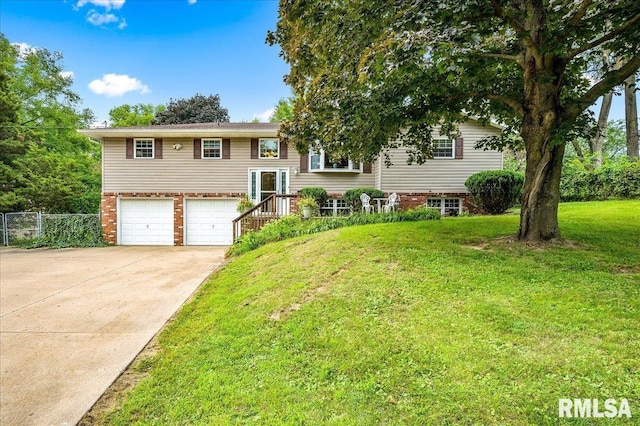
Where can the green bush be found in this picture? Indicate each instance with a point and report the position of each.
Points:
(60, 231)
(293, 226)
(352, 196)
(616, 179)
(494, 191)
(318, 194)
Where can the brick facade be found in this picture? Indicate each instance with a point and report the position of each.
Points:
(109, 210)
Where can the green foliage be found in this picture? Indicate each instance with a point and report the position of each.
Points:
(134, 115)
(319, 194)
(59, 231)
(293, 226)
(44, 163)
(425, 323)
(352, 196)
(197, 109)
(617, 178)
(283, 110)
(244, 204)
(495, 190)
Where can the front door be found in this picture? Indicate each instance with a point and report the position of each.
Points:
(264, 183)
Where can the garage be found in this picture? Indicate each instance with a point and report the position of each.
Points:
(146, 221)
(208, 221)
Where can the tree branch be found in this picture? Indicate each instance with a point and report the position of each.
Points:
(608, 82)
(518, 59)
(621, 29)
(580, 13)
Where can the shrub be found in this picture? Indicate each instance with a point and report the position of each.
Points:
(244, 204)
(318, 194)
(292, 226)
(617, 178)
(74, 230)
(494, 191)
(352, 196)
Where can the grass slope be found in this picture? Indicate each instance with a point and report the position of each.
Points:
(407, 323)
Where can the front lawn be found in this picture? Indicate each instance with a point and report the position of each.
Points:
(416, 323)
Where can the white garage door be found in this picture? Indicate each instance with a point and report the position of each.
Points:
(146, 221)
(208, 221)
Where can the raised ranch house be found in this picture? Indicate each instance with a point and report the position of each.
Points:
(180, 184)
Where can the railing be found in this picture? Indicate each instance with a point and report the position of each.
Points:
(271, 208)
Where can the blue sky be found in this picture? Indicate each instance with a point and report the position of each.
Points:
(148, 51)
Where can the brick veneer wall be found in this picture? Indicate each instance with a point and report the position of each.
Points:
(109, 210)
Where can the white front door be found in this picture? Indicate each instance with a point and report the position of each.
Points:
(264, 183)
(146, 221)
(208, 221)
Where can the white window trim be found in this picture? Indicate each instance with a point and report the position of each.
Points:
(453, 148)
(260, 157)
(202, 148)
(153, 148)
(279, 189)
(322, 169)
(442, 204)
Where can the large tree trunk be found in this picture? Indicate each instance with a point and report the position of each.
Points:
(631, 115)
(542, 88)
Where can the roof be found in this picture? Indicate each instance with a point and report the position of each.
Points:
(214, 129)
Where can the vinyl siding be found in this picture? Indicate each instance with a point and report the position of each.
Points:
(441, 175)
(178, 171)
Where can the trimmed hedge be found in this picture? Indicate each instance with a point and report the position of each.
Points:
(494, 191)
(292, 226)
(73, 230)
(318, 194)
(352, 197)
(615, 179)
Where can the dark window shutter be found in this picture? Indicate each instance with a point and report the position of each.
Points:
(254, 148)
(158, 148)
(226, 149)
(304, 163)
(129, 148)
(366, 168)
(197, 145)
(284, 151)
(459, 145)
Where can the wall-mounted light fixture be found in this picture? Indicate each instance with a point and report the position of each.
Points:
(295, 171)
(177, 146)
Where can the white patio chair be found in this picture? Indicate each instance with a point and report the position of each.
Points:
(364, 198)
(391, 203)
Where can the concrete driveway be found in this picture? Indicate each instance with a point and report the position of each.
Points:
(71, 321)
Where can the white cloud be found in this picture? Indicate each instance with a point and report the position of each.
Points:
(107, 4)
(113, 85)
(66, 74)
(264, 116)
(193, 1)
(24, 49)
(96, 18)
(122, 24)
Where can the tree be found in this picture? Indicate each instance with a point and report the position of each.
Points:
(44, 163)
(631, 115)
(134, 115)
(198, 109)
(283, 111)
(371, 74)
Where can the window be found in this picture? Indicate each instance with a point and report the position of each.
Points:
(447, 206)
(269, 148)
(143, 148)
(321, 161)
(211, 148)
(442, 148)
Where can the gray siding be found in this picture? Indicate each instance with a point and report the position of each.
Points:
(441, 175)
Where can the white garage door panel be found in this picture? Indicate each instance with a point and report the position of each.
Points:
(208, 221)
(146, 222)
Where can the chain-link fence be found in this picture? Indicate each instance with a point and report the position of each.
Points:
(22, 226)
(52, 230)
(3, 237)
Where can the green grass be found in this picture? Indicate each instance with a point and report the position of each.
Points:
(407, 324)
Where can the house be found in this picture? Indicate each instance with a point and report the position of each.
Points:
(180, 184)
